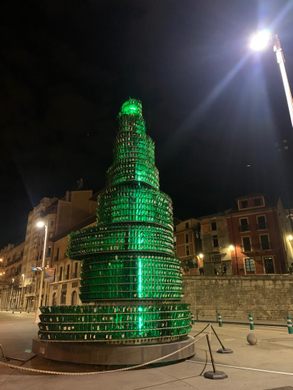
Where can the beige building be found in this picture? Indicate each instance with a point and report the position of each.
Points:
(60, 215)
(64, 290)
(188, 246)
(11, 276)
(216, 246)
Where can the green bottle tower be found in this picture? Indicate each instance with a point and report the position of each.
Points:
(131, 284)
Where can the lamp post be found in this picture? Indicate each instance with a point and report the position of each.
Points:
(10, 298)
(260, 41)
(22, 291)
(232, 248)
(40, 225)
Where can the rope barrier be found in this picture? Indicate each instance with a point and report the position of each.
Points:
(196, 339)
(248, 368)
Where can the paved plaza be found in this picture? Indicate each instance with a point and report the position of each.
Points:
(267, 365)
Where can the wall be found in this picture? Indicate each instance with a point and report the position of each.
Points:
(268, 297)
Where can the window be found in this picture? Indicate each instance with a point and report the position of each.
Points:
(186, 225)
(215, 241)
(244, 227)
(187, 251)
(75, 270)
(54, 299)
(258, 201)
(264, 241)
(68, 271)
(243, 204)
(249, 265)
(49, 250)
(214, 225)
(56, 258)
(269, 265)
(246, 243)
(73, 298)
(186, 238)
(60, 273)
(63, 297)
(261, 222)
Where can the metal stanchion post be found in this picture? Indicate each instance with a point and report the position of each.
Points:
(213, 374)
(223, 349)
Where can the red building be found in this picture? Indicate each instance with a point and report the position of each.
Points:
(260, 237)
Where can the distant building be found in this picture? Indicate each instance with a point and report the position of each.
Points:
(59, 215)
(64, 289)
(11, 276)
(188, 246)
(216, 245)
(260, 234)
(254, 237)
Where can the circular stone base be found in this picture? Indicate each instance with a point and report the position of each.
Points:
(112, 354)
(215, 375)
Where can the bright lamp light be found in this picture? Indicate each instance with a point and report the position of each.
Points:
(40, 224)
(260, 40)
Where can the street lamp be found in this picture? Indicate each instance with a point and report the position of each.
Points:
(10, 299)
(22, 290)
(260, 41)
(232, 248)
(40, 225)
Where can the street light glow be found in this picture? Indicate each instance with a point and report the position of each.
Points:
(40, 224)
(260, 40)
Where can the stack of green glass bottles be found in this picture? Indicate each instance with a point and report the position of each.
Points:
(131, 283)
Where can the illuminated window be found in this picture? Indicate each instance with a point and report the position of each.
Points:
(249, 264)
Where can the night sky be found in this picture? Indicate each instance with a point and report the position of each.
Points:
(216, 112)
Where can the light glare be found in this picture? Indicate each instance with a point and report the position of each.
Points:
(40, 224)
(260, 40)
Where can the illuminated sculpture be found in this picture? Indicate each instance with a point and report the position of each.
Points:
(131, 284)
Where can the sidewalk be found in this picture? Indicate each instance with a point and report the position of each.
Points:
(274, 352)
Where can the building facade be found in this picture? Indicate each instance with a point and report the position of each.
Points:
(59, 216)
(216, 245)
(254, 237)
(11, 277)
(64, 289)
(259, 233)
(188, 246)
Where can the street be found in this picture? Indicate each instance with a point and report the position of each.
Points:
(248, 367)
